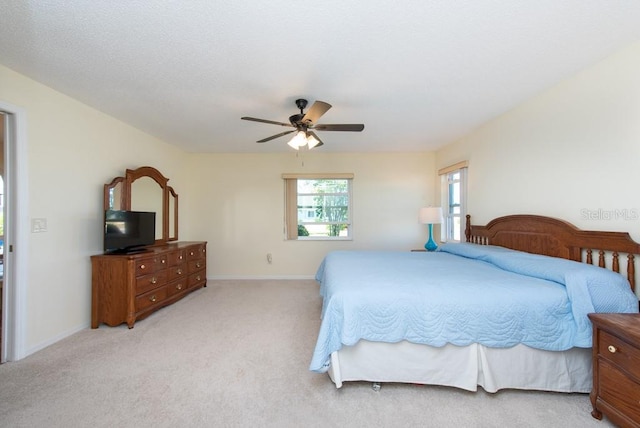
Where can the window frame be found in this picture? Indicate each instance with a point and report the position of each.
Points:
(291, 206)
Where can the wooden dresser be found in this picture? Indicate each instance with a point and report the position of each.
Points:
(616, 368)
(128, 287)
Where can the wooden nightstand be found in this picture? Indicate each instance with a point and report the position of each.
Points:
(616, 368)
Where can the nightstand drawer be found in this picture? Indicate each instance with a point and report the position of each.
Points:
(620, 352)
(616, 368)
(616, 387)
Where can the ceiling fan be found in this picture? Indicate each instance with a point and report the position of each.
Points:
(305, 124)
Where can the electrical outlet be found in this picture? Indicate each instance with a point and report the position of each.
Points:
(269, 258)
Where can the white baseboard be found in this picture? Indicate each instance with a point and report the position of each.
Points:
(76, 329)
(55, 339)
(260, 277)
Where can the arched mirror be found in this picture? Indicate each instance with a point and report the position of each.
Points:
(146, 189)
(114, 194)
(148, 195)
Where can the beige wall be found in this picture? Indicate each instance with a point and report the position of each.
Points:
(233, 201)
(72, 151)
(575, 147)
(236, 202)
(573, 152)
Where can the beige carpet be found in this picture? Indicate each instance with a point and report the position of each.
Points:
(236, 354)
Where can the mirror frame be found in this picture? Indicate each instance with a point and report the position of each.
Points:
(132, 175)
(172, 194)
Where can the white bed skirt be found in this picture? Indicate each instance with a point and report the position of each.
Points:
(519, 367)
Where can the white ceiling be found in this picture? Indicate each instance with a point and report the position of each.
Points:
(417, 73)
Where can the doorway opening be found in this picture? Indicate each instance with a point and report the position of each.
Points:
(14, 204)
(2, 299)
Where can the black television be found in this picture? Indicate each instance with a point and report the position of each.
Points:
(128, 231)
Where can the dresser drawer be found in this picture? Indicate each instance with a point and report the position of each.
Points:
(149, 282)
(176, 257)
(177, 272)
(176, 287)
(150, 264)
(151, 298)
(197, 278)
(620, 352)
(618, 390)
(196, 265)
(196, 252)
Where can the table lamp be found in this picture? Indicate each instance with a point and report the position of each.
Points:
(430, 216)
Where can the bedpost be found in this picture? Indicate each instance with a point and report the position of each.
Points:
(467, 229)
(631, 271)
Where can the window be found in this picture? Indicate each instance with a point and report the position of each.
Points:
(454, 192)
(318, 206)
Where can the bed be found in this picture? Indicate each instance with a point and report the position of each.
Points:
(506, 309)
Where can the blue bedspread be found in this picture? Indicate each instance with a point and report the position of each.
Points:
(462, 294)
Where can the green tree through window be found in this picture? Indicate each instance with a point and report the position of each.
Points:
(332, 204)
(319, 207)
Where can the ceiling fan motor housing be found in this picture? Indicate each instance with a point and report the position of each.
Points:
(306, 122)
(301, 103)
(296, 119)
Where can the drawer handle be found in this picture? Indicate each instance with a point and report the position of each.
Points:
(163, 261)
(143, 267)
(612, 349)
(198, 265)
(191, 253)
(198, 278)
(153, 298)
(180, 258)
(179, 271)
(179, 287)
(154, 280)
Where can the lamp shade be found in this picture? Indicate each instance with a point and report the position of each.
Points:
(430, 215)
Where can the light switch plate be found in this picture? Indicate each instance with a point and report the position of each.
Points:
(38, 225)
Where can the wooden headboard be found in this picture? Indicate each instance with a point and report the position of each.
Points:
(556, 238)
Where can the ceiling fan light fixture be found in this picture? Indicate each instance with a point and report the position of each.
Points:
(304, 124)
(299, 140)
(312, 141)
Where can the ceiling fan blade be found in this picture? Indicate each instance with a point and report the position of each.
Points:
(317, 109)
(264, 140)
(314, 135)
(340, 127)
(273, 122)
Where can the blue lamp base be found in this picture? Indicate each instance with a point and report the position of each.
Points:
(431, 244)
